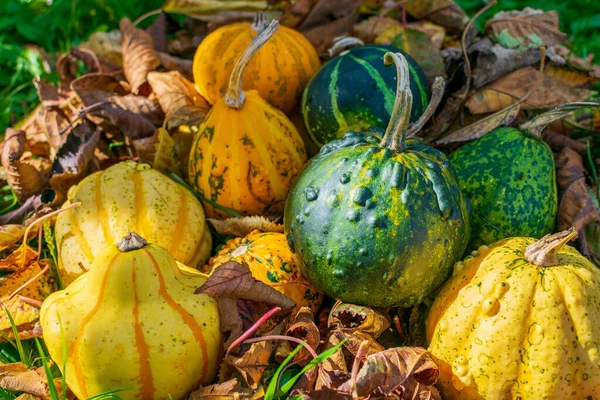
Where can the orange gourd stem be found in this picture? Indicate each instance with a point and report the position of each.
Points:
(543, 253)
(235, 95)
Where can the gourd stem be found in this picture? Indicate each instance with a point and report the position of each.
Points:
(131, 242)
(537, 125)
(437, 92)
(343, 43)
(235, 95)
(260, 22)
(543, 253)
(395, 134)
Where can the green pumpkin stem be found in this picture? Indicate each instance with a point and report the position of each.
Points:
(537, 125)
(395, 134)
(235, 95)
(131, 242)
(543, 253)
(437, 93)
(344, 43)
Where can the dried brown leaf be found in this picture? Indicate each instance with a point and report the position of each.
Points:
(294, 15)
(17, 377)
(302, 326)
(158, 32)
(178, 98)
(352, 318)
(369, 29)
(419, 46)
(442, 12)
(229, 390)
(546, 92)
(106, 44)
(68, 66)
(242, 226)
(407, 370)
(26, 176)
(24, 315)
(558, 140)
(526, 28)
(235, 280)
(576, 207)
(158, 150)
(139, 56)
(231, 322)
(10, 234)
(321, 394)
(181, 65)
(18, 260)
(329, 19)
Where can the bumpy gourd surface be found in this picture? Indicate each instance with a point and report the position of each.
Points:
(271, 261)
(133, 321)
(130, 197)
(279, 71)
(502, 328)
(355, 91)
(246, 159)
(509, 178)
(376, 227)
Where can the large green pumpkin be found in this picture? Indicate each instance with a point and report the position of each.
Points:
(378, 222)
(354, 91)
(508, 176)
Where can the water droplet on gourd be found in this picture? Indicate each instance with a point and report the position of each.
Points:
(345, 177)
(311, 193)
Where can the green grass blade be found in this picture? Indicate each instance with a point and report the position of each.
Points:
(272, 388)
(28, 361)
(49, 376)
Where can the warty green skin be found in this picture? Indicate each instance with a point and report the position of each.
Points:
(355, 91)
(375, 227)
(509, 178)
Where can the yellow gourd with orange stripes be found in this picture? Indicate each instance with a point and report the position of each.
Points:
(129, 197)
(246, 153)
(133, 322)
(279, 72)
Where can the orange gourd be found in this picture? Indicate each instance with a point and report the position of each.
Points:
(246, 153)
(279, 71)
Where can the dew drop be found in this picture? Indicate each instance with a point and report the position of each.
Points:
(345, 177)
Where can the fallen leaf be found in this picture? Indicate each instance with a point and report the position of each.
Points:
(172, 63)
(231, 321)
(419, 46)
(17, 260)
(526, 28)
(178, 98)
(26, 177)
(576, 207)
(441, 12)
(68, 65)
(47, 93)
(493, 61)
(329, 19)
(106, 44)
(158, 32)
(55, 122)
(302, 326)
(133, 125)
(297, 12)
(72, 159)
(242, 226)
(435, 33)
(570, 76)
(18, 216)
(352, 318)
(17, 377)
(407, 370)
(25, 317)
(229, 390)
(320, 394)
(369, 29)
(139, 56)
(10, 234)
(158, 150)
(235, 280)
(558, 141)
(476, 130)
(570, 58)
(546, 92)
(202, 7)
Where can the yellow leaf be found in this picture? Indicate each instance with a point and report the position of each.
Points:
(208, 7)
(10, 234)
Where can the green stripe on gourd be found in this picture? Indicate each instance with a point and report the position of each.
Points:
(379, 219)
(509, 177)
(354, 91)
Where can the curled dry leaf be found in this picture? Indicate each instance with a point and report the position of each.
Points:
(72, 159)
(351, 317)
(139, 56)
(68, 66)
(302, 326)
(26, 176)
(242, 226)
(576, 207)
(11, 234)
(546, 92)
(526, 28)
(329, 19)
(558, 140)
(178, 98)
(172, 63)
(158, 150)
(158, 32)
(321, 394)
(408, 371)
(106, 45)
(25, 317)
(229, 390)
(369, 29)
(297, 12)
(235, 280)
(18, 260)
(232, 325)
(17, 377)
(441, 12)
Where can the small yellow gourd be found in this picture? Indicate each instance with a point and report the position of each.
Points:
(133, 322)
(519, 320)
(130, 196)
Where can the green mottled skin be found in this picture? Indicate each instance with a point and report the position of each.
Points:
(355, 91)
(509, 178)
(376, 227)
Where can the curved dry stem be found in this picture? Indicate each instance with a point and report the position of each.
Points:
(543, 253)
(537, 125)
(312, 351)
(437, 93)
(395, 134)
(343, 43)
(235, 95)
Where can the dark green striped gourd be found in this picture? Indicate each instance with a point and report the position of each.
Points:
(378, 222)
(509, 177)
(354, 91)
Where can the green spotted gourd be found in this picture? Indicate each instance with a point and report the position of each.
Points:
(354, 91)
(519, 320)
(379, 222)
